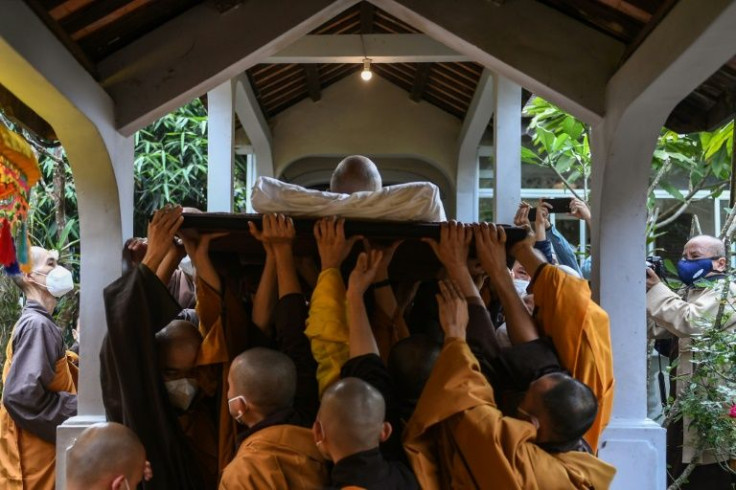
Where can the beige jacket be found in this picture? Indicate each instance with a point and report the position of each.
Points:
(684, 315)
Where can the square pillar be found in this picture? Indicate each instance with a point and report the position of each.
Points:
(220, 147)
(507, 149)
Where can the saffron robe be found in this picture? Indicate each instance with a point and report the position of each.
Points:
(279, 457)
(580, 332)
(30, 414)
(457, 438)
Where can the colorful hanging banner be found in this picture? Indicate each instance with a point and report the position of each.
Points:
(19, 171)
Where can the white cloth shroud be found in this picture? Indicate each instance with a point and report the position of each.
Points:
(414, 201)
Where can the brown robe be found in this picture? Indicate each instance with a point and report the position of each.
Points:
(279, 457)
(26, 460)
(457, 438)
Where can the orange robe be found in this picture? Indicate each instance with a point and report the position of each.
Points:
(219, 347)
(26, 460)
(279, 457)
(457, 438)
(580, 332)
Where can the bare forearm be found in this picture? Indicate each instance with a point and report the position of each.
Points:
(519, 323)
(360, 335)
(168, 265)
(288, 280)
(265, 299)
(461, 276)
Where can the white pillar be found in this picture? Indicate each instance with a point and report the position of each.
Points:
(693, 41)
(44, 75)
(255, 125)
(220, 147)
(476, 121)
(507, 147)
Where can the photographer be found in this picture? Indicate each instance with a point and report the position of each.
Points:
(682, 315)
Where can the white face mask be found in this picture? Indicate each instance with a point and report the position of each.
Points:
(181, 392)
(59, 281)
(186, 266)
(520, 285)
(239, 416)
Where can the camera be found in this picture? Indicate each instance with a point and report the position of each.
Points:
(656, 263)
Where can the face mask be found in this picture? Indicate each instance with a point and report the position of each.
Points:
(520, 285)
(238, 418)
(186, 266)
(181, 392)
(59, 281)
(692, 270)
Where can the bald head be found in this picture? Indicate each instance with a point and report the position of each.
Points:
(41, 260)
(410, 363)
(709, 245)
(352, 415)
(265, 377)
(103, 456)
(354, 174)
(178, 345)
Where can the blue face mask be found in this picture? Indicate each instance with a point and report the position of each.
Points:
(692, 270)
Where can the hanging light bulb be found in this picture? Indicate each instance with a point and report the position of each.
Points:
(366, 74)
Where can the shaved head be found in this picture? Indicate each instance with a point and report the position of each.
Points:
(354, 174)
(410, 363)
(102, 454)
(265, 377)
(352, 414)
(178, 345)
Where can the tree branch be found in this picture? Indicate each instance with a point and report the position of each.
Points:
(682, 479)
(665, 167)
(563, 179)
(675, 211)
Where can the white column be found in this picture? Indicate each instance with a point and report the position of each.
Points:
(477, 118)
(44, 75)
(507, 146)
(220, 147)
(255, 125)
(693, 41)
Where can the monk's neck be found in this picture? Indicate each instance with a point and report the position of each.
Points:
(44, 299)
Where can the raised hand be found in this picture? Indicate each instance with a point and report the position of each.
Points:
(278, 230)
(454, 245)
(490, 246)
(453, 310)
(388, 255)
(331, 242)
(364, 272)
(579, 209)
(521, 217)
(541, 221)
(161, 231)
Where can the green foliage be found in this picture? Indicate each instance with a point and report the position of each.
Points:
(710, 391)
(171, 164)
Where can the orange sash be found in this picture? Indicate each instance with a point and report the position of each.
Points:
(26, 460)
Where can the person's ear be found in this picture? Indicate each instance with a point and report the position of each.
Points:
(721, 264)
(386, 431)
(318, 433)
(118, 483)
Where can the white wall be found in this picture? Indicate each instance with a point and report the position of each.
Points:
(375, 118)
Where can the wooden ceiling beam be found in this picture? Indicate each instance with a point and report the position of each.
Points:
(311, 71)
(420, 81)
(199, 50)
(569, 65)
(367, 14)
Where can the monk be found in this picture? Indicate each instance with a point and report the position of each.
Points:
(355, 173)
(349, 428)
(566, 313)
(139, 306)
(190, 390)
(457, 421)
(106, 456)
(39, 379)
(278, 452)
